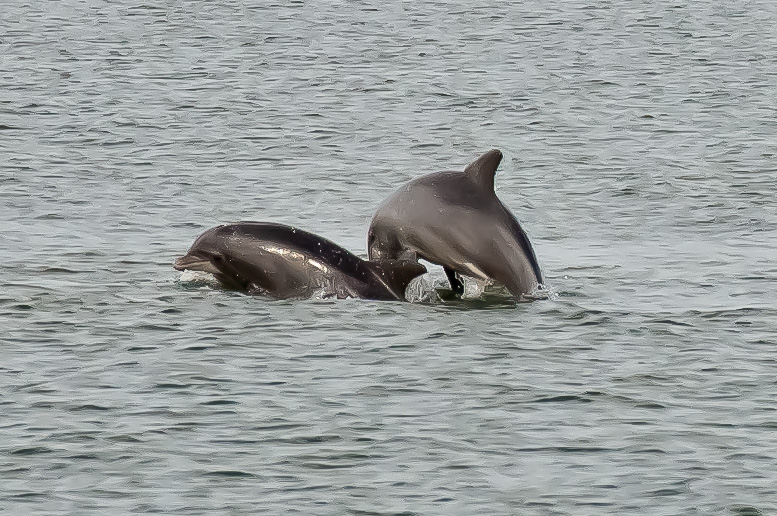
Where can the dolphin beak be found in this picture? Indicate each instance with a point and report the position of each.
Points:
(192, 262)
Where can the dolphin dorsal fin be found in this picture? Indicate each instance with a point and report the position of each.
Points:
(483, 169)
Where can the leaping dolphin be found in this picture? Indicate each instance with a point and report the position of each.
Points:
(285, 262)
(455, 219)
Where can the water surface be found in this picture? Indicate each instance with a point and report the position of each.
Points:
(640, 157)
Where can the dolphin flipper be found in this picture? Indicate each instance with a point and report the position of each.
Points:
(456, 285)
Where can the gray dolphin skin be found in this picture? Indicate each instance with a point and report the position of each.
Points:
(285, 262)
(455, 219)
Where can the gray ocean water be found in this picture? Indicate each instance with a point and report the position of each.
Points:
(641, 158)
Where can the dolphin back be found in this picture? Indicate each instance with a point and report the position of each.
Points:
(522, 239)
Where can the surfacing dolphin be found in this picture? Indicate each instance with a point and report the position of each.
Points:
(455, 219)
(285, 262)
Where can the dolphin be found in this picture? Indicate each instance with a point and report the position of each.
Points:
(455, 219)
(285, 262)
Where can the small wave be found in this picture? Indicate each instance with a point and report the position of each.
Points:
(196, 279)
(230, 474)
(428, 289)
(422, 290)
(434, 289)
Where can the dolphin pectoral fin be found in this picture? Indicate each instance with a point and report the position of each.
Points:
(483, 169)
(456, 284)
